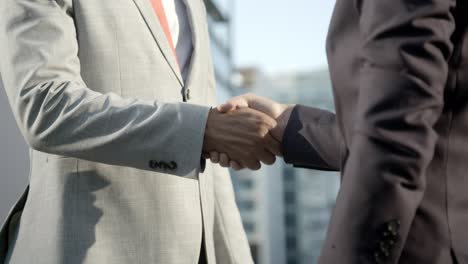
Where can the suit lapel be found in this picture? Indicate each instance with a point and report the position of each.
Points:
(153, 24)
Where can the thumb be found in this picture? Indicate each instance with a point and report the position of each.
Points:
(233, 104)
(226, 107)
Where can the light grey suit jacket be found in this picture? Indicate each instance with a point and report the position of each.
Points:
(115, 152)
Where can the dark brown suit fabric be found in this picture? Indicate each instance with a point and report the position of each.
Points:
(399, 70)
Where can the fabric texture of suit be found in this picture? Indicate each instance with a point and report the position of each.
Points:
(116, 138)
(399, 71)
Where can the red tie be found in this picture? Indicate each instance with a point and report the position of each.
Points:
(159, 9)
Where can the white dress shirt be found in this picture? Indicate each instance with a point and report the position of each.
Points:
(179, 25)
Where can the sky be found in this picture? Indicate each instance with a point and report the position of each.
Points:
(278, 35)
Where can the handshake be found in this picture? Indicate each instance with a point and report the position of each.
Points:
(245, 131)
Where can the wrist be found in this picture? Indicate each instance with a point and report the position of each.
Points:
(282, 121)
(208, 139)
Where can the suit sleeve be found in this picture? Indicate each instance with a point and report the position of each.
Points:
(311, 139)
(57, 113)
(406, 46)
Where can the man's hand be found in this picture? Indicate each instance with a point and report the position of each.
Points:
(277, 111)
(243, 135)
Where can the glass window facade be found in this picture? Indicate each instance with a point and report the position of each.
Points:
(289, 229)
(221, 50)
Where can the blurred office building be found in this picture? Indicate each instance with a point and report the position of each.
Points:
(259, 198)
(309, 195)
(286, 210)
(220, 30)
(261, 214)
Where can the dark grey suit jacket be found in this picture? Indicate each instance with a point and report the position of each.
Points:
(400, 134)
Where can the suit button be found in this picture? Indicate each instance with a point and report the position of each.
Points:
(162, 165)
(383, 246)
(378, 258)
(393, 227)
(172, 165)
(385, 253)
(187, 94)
(154, 164)
(394, 224)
